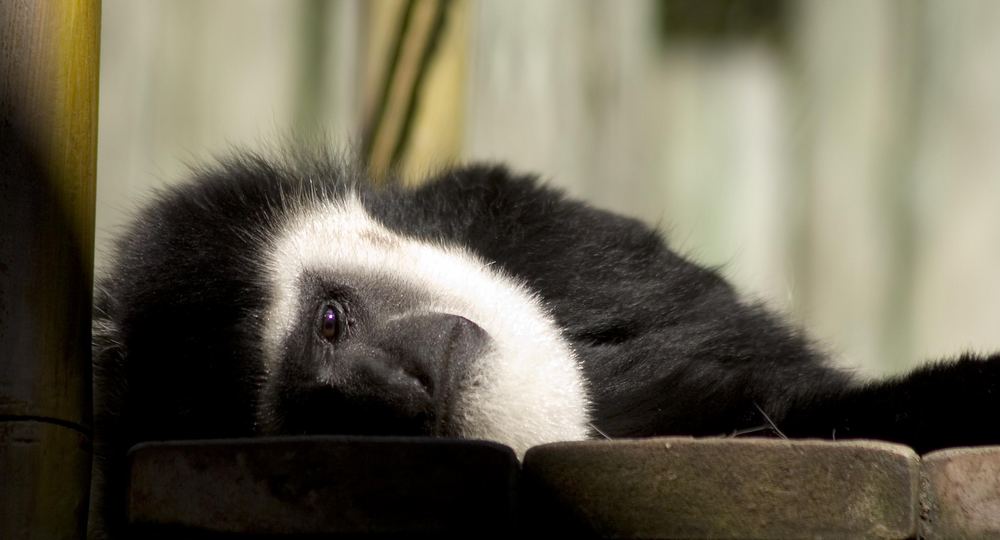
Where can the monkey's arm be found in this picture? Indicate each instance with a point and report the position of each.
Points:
(937, 406)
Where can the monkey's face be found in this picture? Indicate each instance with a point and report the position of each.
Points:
(366, 358)
(370, 332)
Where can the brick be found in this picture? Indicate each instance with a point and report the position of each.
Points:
(322, 486)
(723, 488)
(961, 493)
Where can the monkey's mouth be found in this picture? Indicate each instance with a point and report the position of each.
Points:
(410, 411)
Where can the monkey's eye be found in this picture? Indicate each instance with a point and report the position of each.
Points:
(332, 321)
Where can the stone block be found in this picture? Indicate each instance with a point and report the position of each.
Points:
(961, 493)
(337, 486)
(723, 488)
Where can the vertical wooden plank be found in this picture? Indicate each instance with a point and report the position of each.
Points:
(527, 75)
(852, 90)
(48, 137)
(956, 181)
(186, 81)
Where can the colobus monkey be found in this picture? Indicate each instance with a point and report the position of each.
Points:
(297, 298)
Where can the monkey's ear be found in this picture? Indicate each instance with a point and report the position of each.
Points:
(107, 482)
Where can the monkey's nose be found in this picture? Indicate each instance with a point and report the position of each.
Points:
(404, 382)
(424, 360)
(438, 350)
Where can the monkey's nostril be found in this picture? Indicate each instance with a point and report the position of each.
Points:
(421, 376)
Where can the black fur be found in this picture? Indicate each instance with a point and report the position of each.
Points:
(668, 347)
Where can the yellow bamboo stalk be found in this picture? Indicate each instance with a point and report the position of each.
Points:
(439, 121)
(414, 94)
(48, 114)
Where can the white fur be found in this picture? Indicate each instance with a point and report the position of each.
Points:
(530, 388)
